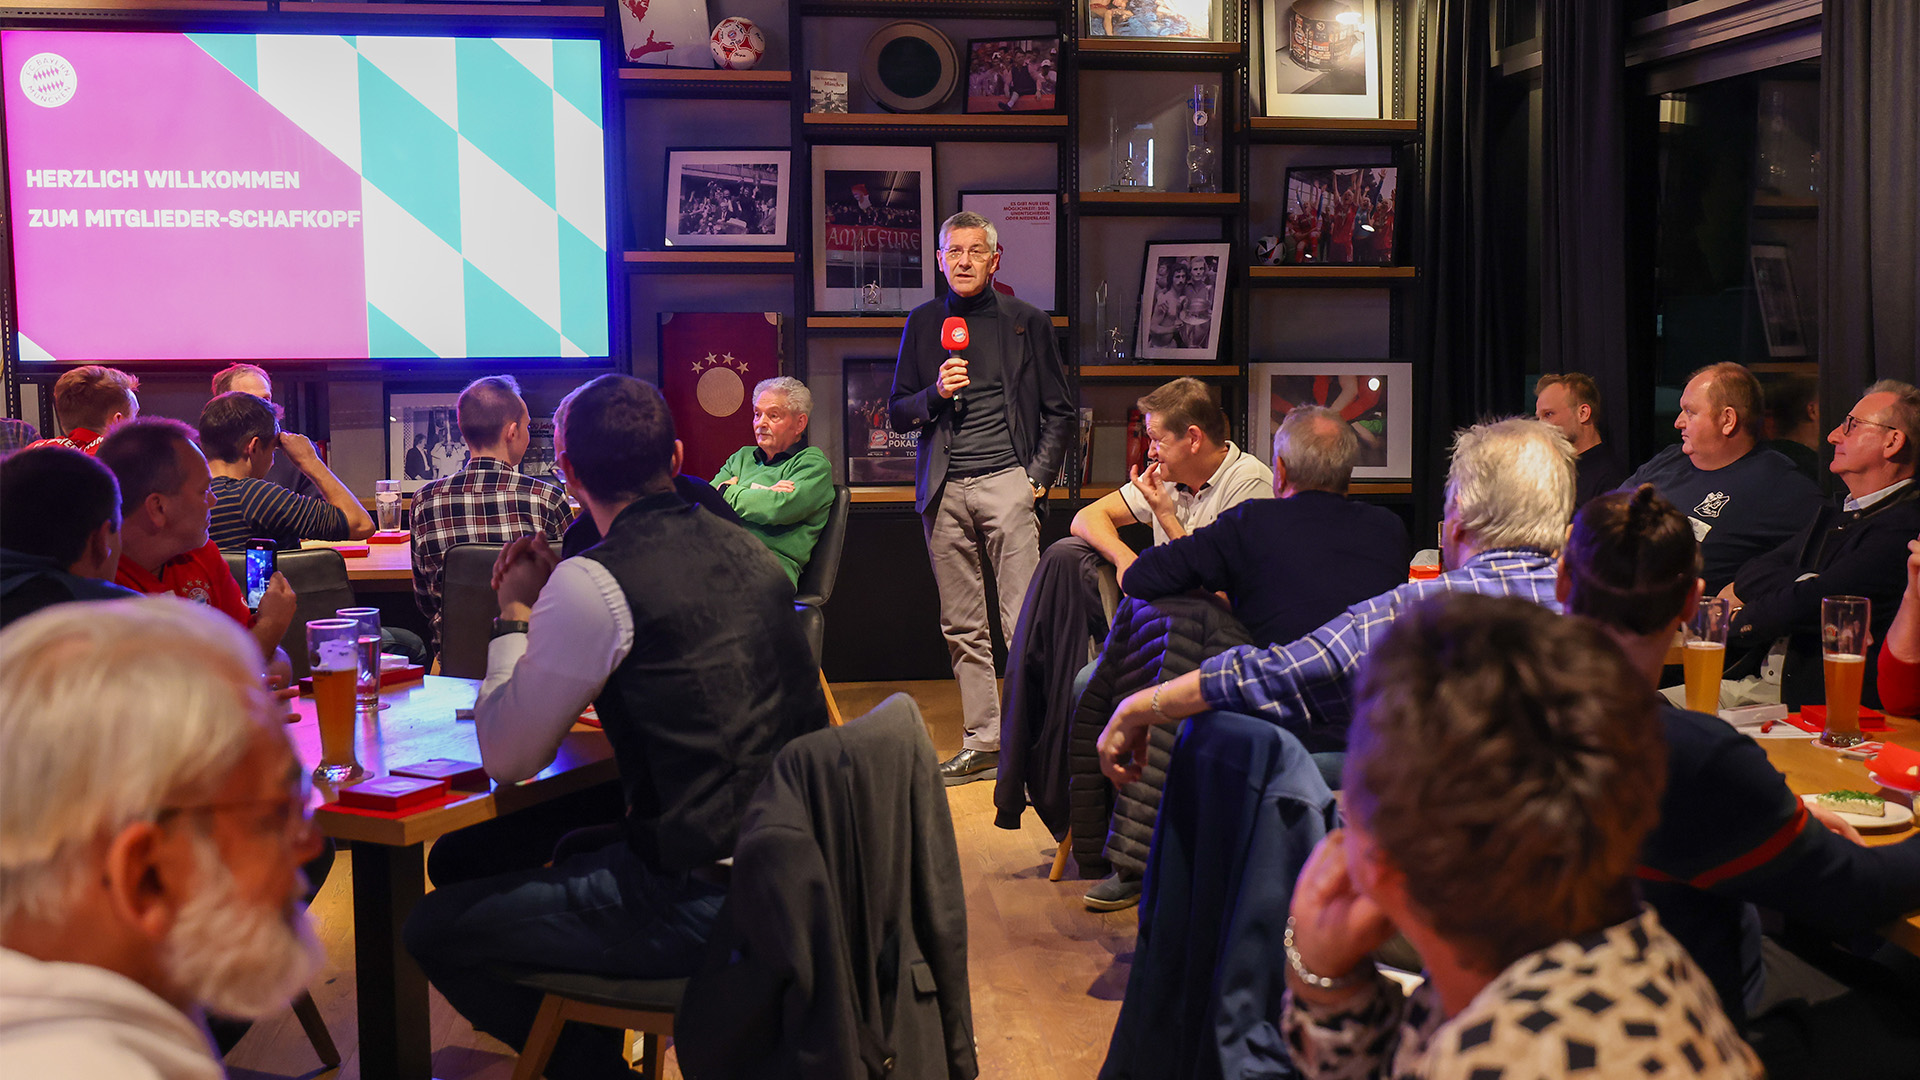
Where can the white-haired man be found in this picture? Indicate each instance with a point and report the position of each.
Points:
(147, 870)
(994, 421)
(1509, 495)
(782, 491)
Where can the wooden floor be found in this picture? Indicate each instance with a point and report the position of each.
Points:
(1047, 974)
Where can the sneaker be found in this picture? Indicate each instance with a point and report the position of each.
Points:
(1121, 890)
(969, 765)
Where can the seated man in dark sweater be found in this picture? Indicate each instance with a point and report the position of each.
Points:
(60, 533)
(1571, 402)
(680, 630)
(1855, 548)
(1742, 499)
(1290, 563)
(1731, 835)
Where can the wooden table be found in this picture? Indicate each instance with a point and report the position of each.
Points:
(385, 567)
(1811, 768)
(389, 854)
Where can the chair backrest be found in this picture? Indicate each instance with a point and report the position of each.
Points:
(468, 605)
(816, 580)
(320, 588)
(814, 625)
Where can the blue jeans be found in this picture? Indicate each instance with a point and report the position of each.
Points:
(601, 912)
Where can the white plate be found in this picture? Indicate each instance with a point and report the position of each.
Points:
(1898, 817)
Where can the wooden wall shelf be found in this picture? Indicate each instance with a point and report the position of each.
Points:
(1157, 204)
(709, 262)
(471, 11)
(698, 83)
(1161, 371)
(859, 323)
(1364, 276)
(1159, 54)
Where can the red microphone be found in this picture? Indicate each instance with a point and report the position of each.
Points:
(953, 335)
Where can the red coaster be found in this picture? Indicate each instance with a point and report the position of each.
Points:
(1816, 718)
(461, 775)
(352, 551)
(394, 536)
(395, 793)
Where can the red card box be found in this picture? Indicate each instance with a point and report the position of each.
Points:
(389, 677)
(462, 775)
(352, 551)
(392, 793)
(1816, 715)
(395, 536)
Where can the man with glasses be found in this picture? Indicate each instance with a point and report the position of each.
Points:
(1742, 499)
(994, 423)
(1855, 548)
(148, 870)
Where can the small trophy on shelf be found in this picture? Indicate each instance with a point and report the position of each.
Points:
(1202, 108)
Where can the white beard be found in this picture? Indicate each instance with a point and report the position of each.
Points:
(237, 959)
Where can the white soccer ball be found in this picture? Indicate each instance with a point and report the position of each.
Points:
(737, 44)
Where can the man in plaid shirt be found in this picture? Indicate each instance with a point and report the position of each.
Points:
(1509, 497)
(488, 501)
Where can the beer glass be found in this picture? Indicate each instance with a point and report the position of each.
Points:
(366, 650)
(331, 644)
(1843, 650)
(1705, 655)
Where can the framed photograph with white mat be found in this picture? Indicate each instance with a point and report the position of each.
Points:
(423, 438)
(1029, 226)
(1321, 58)
(1183, 292)
(1374, 396)
(727, 198)
(873, 228)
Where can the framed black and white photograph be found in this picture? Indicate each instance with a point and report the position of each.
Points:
(873, 228)
(728, 198)
(1182, 295)
(876, 453)
(423, 438)
(1375, 396)
(1190, 19)
(1322, 58)
(1013, 75)
(1340, 215)
(1779, 306)
(1029, 227)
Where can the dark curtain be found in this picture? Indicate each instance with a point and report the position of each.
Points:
(1583, 221)
(1870, 198)
(1466, 371)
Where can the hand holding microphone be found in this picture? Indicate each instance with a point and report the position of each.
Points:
(953, 372)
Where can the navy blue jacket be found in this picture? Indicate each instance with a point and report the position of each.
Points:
(31, 582)
(1737, 511)
(1285, 563)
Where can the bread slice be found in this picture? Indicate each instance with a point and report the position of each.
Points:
(1858, 803)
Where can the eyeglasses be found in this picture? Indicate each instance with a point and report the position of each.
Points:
(1852, 421)
(972, 254)
(290, 811)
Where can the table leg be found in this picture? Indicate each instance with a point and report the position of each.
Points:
(396, 1040)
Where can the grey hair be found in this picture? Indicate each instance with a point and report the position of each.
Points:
(1317, 447)
(110, 712)
(799, 398)
(1904, 412)
(967, 219)
(1511, 484)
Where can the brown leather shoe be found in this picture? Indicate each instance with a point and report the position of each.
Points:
(969, 765)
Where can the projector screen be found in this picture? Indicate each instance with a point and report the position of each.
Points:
(253, 196)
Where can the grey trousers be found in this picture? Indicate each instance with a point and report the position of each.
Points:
(994, 511)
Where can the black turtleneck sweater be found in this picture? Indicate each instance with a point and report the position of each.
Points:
(982, 442)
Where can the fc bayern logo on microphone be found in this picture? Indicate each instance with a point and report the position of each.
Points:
(48, 80)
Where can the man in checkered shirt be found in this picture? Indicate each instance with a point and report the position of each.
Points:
(488, 501)
(1509, 498)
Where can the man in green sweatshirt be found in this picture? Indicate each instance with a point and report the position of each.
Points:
(782, 491)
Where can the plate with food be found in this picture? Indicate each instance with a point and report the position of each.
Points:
(1863, 810)
(1896, 767)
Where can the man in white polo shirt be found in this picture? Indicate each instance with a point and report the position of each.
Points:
(1194, 473)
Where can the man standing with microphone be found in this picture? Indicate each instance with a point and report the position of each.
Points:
(980, 378)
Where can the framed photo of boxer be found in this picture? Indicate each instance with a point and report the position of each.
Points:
(874, 228)
(1182, 295)
(1340, 215)
(1321, 58)
(1375, 396)
(876, 453)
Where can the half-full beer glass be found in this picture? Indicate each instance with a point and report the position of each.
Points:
(1706, 653)
(331, 644)
(1843, 649)
(366, 650)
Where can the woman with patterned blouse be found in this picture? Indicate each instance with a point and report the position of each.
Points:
(1504, 765)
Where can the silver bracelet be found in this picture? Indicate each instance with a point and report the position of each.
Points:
(1352, 978)
(1155, 703)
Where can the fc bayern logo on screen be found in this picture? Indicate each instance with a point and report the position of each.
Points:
(48, 79)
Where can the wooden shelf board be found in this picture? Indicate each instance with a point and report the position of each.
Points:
(981, 120)
(1333, 273)
(706, 75)
(1380, 488)
(1167, 46)
(709, 257)
(1325, 123)
(876, 322)
(487, 11)
(153, 7)
(1160, 371)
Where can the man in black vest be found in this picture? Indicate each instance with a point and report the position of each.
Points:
(680, 630)
(994, 422)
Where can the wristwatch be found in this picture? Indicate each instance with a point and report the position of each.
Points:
(503, 627)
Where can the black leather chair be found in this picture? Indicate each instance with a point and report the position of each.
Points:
(468, 605)
(320, 588)
(816, 586)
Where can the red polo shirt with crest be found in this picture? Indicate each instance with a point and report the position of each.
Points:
(200, 575)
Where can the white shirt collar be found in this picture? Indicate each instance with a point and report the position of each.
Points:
(1865, 501)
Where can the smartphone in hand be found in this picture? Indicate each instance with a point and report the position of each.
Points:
(261, 556)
